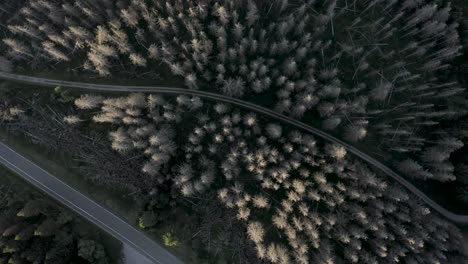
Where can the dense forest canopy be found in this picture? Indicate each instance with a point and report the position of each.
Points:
(311, 196)
(35, 230)
(371, 71)
(377, 73)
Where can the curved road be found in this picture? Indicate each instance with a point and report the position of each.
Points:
(459, 219)
(84, 206)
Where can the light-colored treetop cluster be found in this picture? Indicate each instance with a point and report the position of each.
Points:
(302, 201)
(9, 113)
(145, 124)
(368, 70)
(373, 71)
(308, 203)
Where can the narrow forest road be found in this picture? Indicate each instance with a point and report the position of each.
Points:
(84, 206)
(455, 218)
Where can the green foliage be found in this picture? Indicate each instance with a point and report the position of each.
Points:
(147, 220)
(58, 89)
(63, 95)
(46, 228)
(12, 230)
(159, 201)
(155, 211)
(169, 240)
(64, 218)
(8, 249)
(26, 233)
(41, 231)
(32, 208)
(91, 251)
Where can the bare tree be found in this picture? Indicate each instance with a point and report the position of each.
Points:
(256, 232)
(274, 131)
(88, 101)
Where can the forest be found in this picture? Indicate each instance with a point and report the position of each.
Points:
(386, 76)
(35, 229)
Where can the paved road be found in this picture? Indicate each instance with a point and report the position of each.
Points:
(85, 206)
(133, 256)
(458, 219)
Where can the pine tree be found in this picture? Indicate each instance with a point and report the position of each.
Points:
(256, 232)
(88, 102)
(274, 131)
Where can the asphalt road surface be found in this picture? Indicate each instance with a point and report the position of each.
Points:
(133, 256)
(84, 206)
(458, 219)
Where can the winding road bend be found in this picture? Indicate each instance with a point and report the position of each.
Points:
(84, 206)
(455, 218)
